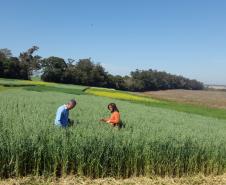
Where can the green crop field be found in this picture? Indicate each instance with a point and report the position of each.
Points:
(155, 141)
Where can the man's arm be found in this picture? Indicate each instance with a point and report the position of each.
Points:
(59, 116)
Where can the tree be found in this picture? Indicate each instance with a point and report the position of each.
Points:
(160, 80)
(53, 69)
(84, 68)
(5, 53)
(30, 62)
(70, 73)
(98, 76)
(119, 82)
(133, 84)
(86, 72)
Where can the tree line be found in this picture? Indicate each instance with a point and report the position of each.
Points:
(86, 72)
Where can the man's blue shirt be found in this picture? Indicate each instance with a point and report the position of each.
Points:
(62, 116)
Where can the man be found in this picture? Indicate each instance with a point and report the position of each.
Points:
(62, 114)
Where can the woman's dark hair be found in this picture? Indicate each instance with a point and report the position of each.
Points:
(114, 107)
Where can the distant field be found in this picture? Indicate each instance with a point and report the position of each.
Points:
(215, 99)
(217, 87)
(142, 98)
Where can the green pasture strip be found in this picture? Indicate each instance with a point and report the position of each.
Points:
(2, 88)
(43, 88)
(36, 78)
(193, 109)
(19, 83)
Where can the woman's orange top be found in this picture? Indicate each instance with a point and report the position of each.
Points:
(115, 118)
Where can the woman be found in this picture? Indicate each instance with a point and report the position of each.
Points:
(114, 120)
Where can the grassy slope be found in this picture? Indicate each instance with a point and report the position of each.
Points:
(23, 83)
(41, 86)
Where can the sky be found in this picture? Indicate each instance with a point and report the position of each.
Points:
(182, 37)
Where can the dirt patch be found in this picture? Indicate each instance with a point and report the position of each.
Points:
(215, 99)
(71, 180)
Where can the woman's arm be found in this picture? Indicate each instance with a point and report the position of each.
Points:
(104, 119)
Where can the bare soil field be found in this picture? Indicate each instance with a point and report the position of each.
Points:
(215, 99)
(71, 180)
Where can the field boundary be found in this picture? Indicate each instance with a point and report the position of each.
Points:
(155, 180)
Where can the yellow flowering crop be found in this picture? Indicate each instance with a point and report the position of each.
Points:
(119, 95)
(37, 82)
